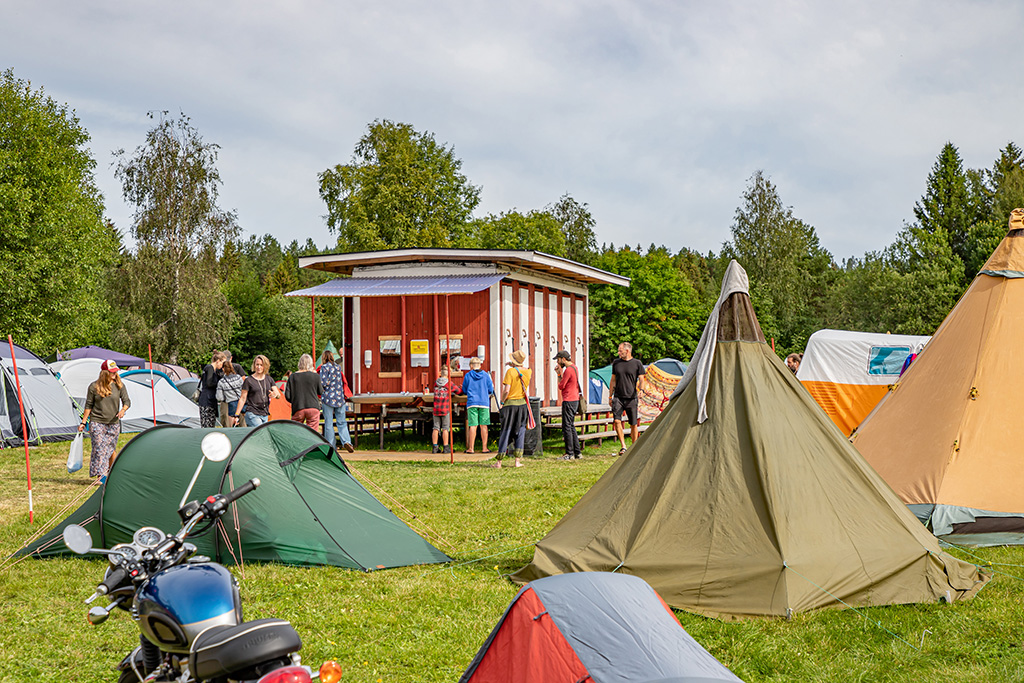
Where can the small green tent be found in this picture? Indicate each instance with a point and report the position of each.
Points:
(308, 510)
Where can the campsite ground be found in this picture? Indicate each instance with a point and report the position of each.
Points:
(421, 624)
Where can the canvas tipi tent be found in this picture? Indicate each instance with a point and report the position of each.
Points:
(50, 414)
(848, 373)
(598, 626)
(743, 499)
(308, 510)
(948, 439)
(171, 406)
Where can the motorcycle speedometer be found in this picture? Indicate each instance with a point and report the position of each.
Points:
(122, 551)
(149, 537)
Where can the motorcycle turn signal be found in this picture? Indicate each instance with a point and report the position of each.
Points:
(330, 672)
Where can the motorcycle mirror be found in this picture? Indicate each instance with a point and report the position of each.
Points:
(216, 446)
(97, 615)
(77, 539)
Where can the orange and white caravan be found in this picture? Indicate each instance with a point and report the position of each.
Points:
(848, 373)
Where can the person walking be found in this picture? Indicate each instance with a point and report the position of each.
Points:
(332, 401)
(208, 390)
(225, 411)
(478, 388)
(515, 408)
(569, 388)
(303, 391)
(106, 402)
(625, 384)
(257, 390)
(229, 390)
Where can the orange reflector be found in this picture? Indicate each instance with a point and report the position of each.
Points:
(330, 672)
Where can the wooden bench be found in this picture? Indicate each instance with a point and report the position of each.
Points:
(610, 434)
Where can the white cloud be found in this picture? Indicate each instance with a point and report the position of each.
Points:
(653, 113)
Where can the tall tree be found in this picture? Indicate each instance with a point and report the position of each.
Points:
(401, 189)
(790, 273)
(659, 313)
(55, 247)
(170, 286)
(533, 231)
(577, 228)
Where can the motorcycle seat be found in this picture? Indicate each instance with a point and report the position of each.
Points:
(223, 650)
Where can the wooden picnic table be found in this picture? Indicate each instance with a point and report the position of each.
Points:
(399, 407)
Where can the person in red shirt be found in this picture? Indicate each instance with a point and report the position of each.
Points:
(569, 387)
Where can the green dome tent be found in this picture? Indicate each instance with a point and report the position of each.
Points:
(308, 510)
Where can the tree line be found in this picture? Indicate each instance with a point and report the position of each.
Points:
(192, 281)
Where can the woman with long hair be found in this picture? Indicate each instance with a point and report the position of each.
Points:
(229, 390)
(332, 377)
(257, 390)
(303, 392)
(208, 390)
(105, 404)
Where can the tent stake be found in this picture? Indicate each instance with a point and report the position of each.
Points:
(24, 428)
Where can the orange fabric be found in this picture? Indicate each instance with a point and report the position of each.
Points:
(951, 433)
(846, 404)
(529, 648)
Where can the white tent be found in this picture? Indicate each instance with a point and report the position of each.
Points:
(49, 411)
(848, 373)
(171, 406)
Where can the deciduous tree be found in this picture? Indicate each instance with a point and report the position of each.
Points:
(55, 246)
(169, 287)
(401, 189)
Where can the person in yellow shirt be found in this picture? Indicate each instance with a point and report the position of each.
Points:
(515, 408)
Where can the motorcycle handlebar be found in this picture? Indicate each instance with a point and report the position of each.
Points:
(247, 487)
(113, 580)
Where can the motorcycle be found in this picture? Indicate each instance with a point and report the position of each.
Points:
(188, 607)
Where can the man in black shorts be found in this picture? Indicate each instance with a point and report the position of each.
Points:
(626, 372)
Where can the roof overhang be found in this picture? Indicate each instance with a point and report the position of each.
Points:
(347, 264)
(402, 285)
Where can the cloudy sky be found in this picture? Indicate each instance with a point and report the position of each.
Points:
(655, 113)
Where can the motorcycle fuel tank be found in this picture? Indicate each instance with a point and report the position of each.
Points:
(179, 603)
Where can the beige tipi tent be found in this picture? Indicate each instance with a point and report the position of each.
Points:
(949, 438)
(744, 499)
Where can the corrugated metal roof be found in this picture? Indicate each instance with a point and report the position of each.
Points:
(397, 286)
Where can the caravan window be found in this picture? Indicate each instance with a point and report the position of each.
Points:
(887, 360)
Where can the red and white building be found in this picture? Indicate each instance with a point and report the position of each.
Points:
(403, 307)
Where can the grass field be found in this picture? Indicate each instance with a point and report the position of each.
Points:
(424, 624)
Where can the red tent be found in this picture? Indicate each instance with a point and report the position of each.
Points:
(597, 627)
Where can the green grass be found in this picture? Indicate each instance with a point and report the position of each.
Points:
(426, 623)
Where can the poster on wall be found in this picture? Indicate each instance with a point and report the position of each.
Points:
(419, 353)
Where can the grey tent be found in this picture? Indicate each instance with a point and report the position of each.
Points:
(50, 414)
(597, 626)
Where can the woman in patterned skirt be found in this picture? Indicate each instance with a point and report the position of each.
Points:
(105, 405)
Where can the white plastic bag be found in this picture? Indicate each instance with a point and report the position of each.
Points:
(75, 456)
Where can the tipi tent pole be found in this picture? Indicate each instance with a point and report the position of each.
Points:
(24, 427)
(152, 382)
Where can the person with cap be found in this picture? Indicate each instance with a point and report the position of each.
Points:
(106, 402)
(208, 390)
(478, 388)
(624, 388)
(515, 408)
(569, 388)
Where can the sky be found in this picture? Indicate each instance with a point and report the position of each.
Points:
(653, 113)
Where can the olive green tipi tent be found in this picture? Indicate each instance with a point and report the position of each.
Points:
(308, 509)
(744, 499)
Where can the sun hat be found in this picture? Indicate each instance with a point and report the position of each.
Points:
(517, 357)
(109, 366)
